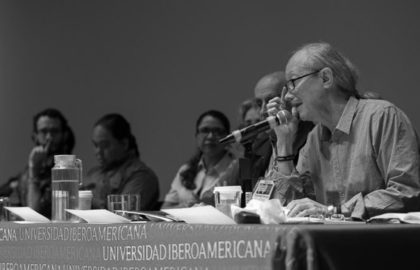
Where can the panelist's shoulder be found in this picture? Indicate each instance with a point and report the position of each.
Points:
(378, 106)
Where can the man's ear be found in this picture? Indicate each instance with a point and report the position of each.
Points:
(327, 77)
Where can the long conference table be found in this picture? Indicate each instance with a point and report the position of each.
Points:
(180, 246)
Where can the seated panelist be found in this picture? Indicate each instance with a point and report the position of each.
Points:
(32, 187)
(209, 167)
(249, 112)
(361, 157)
(261, 149)
(120, 169)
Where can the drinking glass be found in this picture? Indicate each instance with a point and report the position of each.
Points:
(123, 202)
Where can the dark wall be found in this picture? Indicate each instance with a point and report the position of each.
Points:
(162, 63)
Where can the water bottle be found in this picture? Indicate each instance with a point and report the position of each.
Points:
(66, 176)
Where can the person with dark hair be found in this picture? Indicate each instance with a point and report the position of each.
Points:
(194, 181)
(362, 155)
(51, 136)
(120, 170)
(257, 161)
(267, 88)
(249, 112)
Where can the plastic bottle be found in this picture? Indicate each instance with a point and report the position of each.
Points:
(66, 176)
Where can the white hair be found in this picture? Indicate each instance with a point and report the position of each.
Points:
(322, 54)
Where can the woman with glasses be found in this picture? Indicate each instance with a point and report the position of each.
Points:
(210, 166)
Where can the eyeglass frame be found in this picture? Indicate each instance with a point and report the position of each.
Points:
(292, 81)
(217, 132)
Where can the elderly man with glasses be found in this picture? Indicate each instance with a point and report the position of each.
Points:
(362, 156)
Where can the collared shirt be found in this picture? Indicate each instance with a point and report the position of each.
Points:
(369, 163)
(205, 180)
(131, 177)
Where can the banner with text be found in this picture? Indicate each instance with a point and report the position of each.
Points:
(135, 246)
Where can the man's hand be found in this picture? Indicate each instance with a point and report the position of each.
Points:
(37, 158)
(285, 130)
(305, 207)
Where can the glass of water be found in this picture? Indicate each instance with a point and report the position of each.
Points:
(4, 214)
(123, 202)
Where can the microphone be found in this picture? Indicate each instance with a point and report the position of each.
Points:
(243, 135)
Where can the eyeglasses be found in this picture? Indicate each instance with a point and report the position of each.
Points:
(215, 131)
(290, 84)
(45, 131)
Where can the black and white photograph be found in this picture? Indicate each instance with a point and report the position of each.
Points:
(121, 118)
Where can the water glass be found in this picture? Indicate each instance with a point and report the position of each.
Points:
(123, 202)
(4, 214)
(225, 197)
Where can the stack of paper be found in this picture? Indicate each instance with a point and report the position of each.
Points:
(411, 217)
(200, 215)
(99, 216)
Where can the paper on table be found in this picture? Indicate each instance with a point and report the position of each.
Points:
(98, 216)
(200, 215)
(410, 217)
(27, 214)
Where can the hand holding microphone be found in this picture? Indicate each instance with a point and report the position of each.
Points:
(284, 132)
(281, 120)
(282, 117)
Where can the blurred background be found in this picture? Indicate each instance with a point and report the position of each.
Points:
(162, 63)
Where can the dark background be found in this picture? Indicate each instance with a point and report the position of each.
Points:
(162, 63)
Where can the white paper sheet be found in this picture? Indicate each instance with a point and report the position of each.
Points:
(27, 214)
(200, 215)
(410, 217)
(98, 216)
